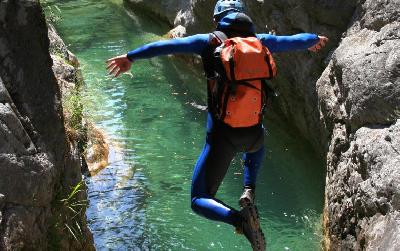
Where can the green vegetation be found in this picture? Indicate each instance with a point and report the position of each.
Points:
(75, 207)
(69, 205)
(52, 12)
(73, 109)
(68, 215)
(76, 128)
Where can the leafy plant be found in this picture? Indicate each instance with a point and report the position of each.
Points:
(75, 207)
(68, 217)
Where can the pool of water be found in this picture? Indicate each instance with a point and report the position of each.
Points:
(141, 200)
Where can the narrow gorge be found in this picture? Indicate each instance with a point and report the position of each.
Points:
(345, 101)
(332, 174)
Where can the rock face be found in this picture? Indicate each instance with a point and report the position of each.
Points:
(363, 189)
(345, 100)
(166, 9)
(359, 102)
(38, 167)
(65, 64)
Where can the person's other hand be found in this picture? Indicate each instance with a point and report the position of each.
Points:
(118, 65)
(321, 43)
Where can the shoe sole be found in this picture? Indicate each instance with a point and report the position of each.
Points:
(252, 209)
(254, 223)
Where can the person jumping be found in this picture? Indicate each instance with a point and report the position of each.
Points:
(237, 93)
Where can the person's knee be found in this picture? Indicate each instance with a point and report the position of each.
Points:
(194, 205)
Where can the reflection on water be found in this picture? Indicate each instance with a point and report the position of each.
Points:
(141, 200)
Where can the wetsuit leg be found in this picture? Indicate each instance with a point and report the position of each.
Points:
(252, 163)
(209, 172)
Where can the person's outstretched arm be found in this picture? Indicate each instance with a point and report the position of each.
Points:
(302, 41)
(191, 44)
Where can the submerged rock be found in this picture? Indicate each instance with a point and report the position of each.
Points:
(97, 150)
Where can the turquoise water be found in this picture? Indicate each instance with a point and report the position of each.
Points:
(141, 200)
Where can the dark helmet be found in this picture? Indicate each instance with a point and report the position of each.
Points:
(236, 25)
(223, 7)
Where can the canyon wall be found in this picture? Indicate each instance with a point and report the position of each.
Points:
(39, 165)
(359, 101)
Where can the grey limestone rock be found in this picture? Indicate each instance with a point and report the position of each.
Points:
(382, 232)
(2, 202)
(178, 31)
(359, 105)
(65, 64)
(195, 15)
(58, 48)
(23, 228)
(37, 164)
(57, 45)
(363, 187)
(361, 83)
(166, 9)
(65, 73)
(26, 179)
(4, 96)
(13, 136)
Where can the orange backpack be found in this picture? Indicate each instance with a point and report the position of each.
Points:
(238, 92)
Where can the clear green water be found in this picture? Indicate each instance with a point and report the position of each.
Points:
(141, 200)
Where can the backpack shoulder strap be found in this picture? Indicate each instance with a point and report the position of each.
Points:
(217, 38)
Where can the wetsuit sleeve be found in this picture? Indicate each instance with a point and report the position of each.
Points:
(191, 44)
(300, 41)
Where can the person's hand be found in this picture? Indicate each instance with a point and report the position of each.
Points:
(118, 65)
(321, 43)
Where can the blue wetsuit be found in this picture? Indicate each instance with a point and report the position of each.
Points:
(223, 142)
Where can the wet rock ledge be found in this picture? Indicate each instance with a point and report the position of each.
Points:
(40, 164)
(345, 100)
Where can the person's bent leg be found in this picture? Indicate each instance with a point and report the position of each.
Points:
(209, 172)
(251, 224)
